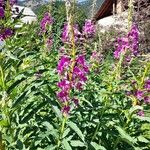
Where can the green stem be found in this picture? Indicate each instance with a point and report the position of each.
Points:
(1, 142)
(116, 143)
(61, 131)
(2, 77)
(98, 126)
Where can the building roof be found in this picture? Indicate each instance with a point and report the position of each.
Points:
(28, 16)
(26, 10)
(104, 9)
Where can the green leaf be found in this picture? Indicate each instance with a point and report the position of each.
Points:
(4, 123)
(19, 99)
(48, 125)
(76, 143)
(66, 132)
(143, 139)
(143, 119)
(134, 108)
(14, 85)
(31, 113)
(50, 148)
(97, 146)
(125, 136)
(74, 127)
(57, 112)
(66, 145)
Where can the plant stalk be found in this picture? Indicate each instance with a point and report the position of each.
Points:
(61, 131)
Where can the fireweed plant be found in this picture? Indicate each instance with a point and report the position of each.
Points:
(6, 30)
(72, 69)
(61, 92)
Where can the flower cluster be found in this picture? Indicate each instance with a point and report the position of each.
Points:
(49, 42)
(2, 12)
(89, 28)
(141, 95)
(128, 45)
(73, 77)
(96, 57)
(87, 32)
(47, 20)
(12, 2)
(65, 34)
(5, 33)
(3, 5)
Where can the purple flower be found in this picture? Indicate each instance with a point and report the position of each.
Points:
(12, 2)
(2, 13)
(140, 113)
(64, 85)
(128, 43)
(79, 86)
(76, 101)
(65, 34)
(49, 42)
(63, 64)
(80, 59)
(63, 96)
(66, 110)
(2, 3)
(147, 100)
(139, 94)
(89, 28)
(72, 78)
(129, 93)
(147, 84)
(122, 46)
(133, 37)
(47, 20)
(6, 33)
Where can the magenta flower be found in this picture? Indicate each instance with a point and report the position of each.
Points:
(63, 64)
(66, 110)
(70, 83)
(2, 12)
(47, 20)
(76, 101)
(122, 46)
(140, 113)
(65, 34)
(147, 100)
(64, 85)
(133, 37)
(79, 86)
(49, 42)
(80, 59)
(139, 94)
(89, 28)
(2, 3)
(128, 44)
(63, 96)
(12, 2)
(147, 85)
(6, 33)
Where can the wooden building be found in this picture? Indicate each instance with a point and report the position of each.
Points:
(108, 8)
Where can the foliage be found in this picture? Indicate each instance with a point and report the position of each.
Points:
(107, 114)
